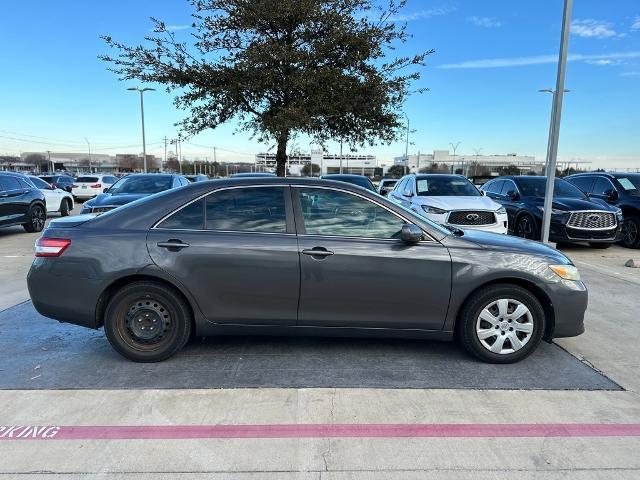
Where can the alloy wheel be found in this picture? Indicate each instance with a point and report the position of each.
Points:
(504, 326)
(524, 228)
(37, 218)
(629, 233)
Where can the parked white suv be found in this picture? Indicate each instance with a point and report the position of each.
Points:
(58, 200)
(450, 200)
(89, 186)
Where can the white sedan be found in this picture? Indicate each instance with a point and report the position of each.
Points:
(450, 200)
(58, 200)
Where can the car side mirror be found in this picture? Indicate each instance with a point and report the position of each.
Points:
(611, 195)
(408, 193)
(411, 233)
(513, 195)
(104, 190)
(483, 193)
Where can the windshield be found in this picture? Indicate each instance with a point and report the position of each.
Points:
(630, 184)
(144, 184)
(446, 186)
(536, 186)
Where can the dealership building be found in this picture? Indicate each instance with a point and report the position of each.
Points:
(328, 163)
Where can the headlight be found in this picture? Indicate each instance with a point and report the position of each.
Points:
(554, 211)
(501, 211)
(568, 272)
(433, 210)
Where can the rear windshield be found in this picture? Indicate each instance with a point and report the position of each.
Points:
(150, 184)
(87, 179)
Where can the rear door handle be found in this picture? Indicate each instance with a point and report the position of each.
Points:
(173, 244)
(318, 252)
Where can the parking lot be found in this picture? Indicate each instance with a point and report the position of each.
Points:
(332, 393)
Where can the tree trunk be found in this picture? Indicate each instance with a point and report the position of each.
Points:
(281, 153)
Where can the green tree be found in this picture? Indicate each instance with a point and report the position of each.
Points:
(395, 171)
(281, 68)
(310, 170)
(509, 170)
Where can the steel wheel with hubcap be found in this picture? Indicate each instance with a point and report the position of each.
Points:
(147, 322)
(501, 323)
(36, 218)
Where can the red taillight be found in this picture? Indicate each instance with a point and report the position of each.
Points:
(51, 247)
(97, 185)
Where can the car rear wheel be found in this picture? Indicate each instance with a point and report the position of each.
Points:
(65, 207)
(147, 322)
(631, 232)
(526, 227)
(501, 324)
(35, 219)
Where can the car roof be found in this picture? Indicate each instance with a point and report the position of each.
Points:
(12, 174)
(441, 175)
(343, 175)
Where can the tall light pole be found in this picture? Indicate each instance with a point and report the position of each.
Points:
(144, 144)
(553, 105)
(477, 152)
(406, 147)
(455, 147)
(558, 95)
(89, 145)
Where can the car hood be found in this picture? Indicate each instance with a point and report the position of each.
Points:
(107, 199)
(511, 244)
(572, 204)
(459, 203)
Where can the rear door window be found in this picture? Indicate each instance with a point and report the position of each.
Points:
(190, 217)
(9, 183)
(252, 209)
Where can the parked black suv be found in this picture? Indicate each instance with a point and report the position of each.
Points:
(619, 189)
(63, 182)
(575, 217)
(21, 203)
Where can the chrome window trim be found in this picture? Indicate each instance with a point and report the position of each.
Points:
(232, 187)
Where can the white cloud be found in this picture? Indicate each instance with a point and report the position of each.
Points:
(421, 14)
(630, 74)
(486, 22)
(538, 60)
(591, 28)
(636, 23)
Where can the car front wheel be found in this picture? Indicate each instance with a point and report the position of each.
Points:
(147, 322)
(501, 324)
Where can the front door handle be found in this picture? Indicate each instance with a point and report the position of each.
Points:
(318, 252)
(174, 245)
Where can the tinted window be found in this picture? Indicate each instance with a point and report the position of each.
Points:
(334, 213)
(536, 186)
(507, 186)
(87, 179)
(400, 188)
(445, 186)
(144, 184)
(190, 217)
(583, 183)
(247, 210)
(25, 183)
(494, 187)
(39, 183)
(48, 179)
(602, 185)
(109, 179)
(9, 183)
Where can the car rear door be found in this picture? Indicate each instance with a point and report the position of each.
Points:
(236, 251)
(13, 201)
(356, 272)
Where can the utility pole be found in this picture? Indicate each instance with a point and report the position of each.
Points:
(165, 153)
(455, 148)
(340, 156)
(475, 167)
(144, 144)
(558, 95)
(180, 153)
(406, 147)
(85, 139)
(50, 164)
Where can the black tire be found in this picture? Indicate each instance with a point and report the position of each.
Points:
(133, 313)
(65, 207)
(631, 232)
(476, 303)
(600, 246)
(36, 217)
(526, 227)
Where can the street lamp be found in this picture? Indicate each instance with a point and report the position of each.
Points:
(406, 148)
(144, 145)
(455, 147)
(89, 145)
(475, 167)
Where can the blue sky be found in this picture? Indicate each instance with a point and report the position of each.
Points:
(491, 58)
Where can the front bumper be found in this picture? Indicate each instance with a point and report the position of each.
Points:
(500, 226)
(569, 300)
(560, 232)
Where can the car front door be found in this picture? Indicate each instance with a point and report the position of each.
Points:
(13, 202)
(603, 189)
(236, 251)
(512, 203)
(356, 272)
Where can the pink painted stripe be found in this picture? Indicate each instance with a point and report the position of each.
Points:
(178, 432)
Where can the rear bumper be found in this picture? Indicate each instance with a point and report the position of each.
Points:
(70, 297)
(85, 192)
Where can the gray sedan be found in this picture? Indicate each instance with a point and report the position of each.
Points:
(303, 257)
